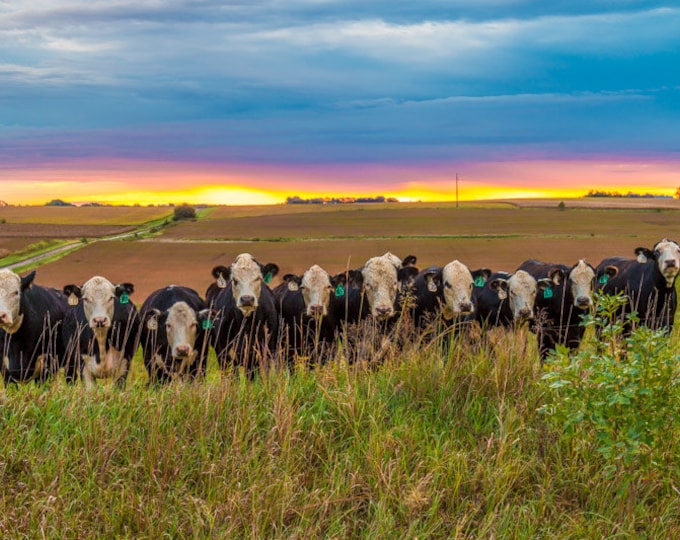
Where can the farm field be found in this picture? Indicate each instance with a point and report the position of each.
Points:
(429, 444)
(88, 215)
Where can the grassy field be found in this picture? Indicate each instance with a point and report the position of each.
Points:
(425, 445)
(72, 215)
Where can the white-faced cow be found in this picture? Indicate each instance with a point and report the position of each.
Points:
(101, 330)
(30, 328)
(446, 292)
(382, 280)
(174, 333)
(305, 304)
(648, 281)
(247, 329)
(560, 307)
(508, 299)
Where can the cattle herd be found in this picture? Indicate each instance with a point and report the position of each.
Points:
(92, 331)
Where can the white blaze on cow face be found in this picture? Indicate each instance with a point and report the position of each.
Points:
(667, 254)
(381, 283)
(181, 329)
(458, 284)
(522, 288)
(316, 291)
(10, 297)
(581, 281)
(246, 283)
(99, 296)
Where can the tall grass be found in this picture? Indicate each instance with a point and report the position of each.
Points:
(427, 445)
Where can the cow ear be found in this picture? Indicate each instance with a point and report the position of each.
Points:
(124, 288)
(556, 275)
(500, 287)
(408, 273)
(221, 274)
(409, 260)
(643, 254)
(545, 283)
(356, 277)
(151, 318)
(72, 294)
(432, 279)
(292, 281)
(27, 280)
(206, 318)
(606, 273)
(339, 279)
(481, 276)
(269, 270)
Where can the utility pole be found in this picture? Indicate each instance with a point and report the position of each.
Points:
(456, 190)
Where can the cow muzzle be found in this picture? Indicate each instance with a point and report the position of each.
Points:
(583, 302)
(182, 351)
(316, 310)
(5, 319)
(99, 322)
(383, 312)
(466, 308)
(525, 314)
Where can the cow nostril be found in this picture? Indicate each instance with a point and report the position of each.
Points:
(466, 307)
(247, 301)
(99, 322)
(671, 264)
(4, 317)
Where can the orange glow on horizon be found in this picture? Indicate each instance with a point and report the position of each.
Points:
(127, 182)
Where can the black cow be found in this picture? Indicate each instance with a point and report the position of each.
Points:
(101, 331)
(248, 324)
(30, 328)
(175, 333)
(507, 299)
(648, 281)
(446, 292)
(305, 304)
(559, 308)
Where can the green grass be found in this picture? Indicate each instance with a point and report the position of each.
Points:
(416, 447)
(33, 249)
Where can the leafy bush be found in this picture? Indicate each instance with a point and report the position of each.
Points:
(184, 211)
(621, 397)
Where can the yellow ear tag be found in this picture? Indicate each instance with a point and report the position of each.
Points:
(221, 282)
(431, 286)
(72, 299)
(152, 324)
(293, 286)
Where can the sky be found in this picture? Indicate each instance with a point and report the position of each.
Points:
(247, 102)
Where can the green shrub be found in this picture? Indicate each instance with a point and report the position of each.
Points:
(184, 211)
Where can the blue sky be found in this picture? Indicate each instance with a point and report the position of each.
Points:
(329, 84)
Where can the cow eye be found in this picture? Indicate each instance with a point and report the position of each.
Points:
(16, 293)
(235, 282)
(447, 285)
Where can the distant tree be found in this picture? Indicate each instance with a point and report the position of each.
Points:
(561, 206)
(58, 202)
(677, 193)
(184, 211)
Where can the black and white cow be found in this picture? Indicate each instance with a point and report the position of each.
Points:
(383, 280)
(175, 333)
(101, 330)
(648, 281)
(247, 328)
(446, 292)
(508, 299)
(30, 328)
(305, 305)
(560, 307)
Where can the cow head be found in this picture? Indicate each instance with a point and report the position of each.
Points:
(316, 288)
(98, 295)
(520, 289)
(380, 278)
(181, 327)
(458, 283)
(247, 276)
(581, 283)
(666, 253)
(11, 287)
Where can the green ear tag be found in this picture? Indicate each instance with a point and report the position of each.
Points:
(124, 298)
(207, 324)
(479, 281)
(548, 293)
(603, 279)
(268, 277)
(340, 290)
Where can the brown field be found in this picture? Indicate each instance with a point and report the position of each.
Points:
(70, 215)
(11, 244)
(154, 264)
(40, 231)
(612, 203)
(419, 220)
